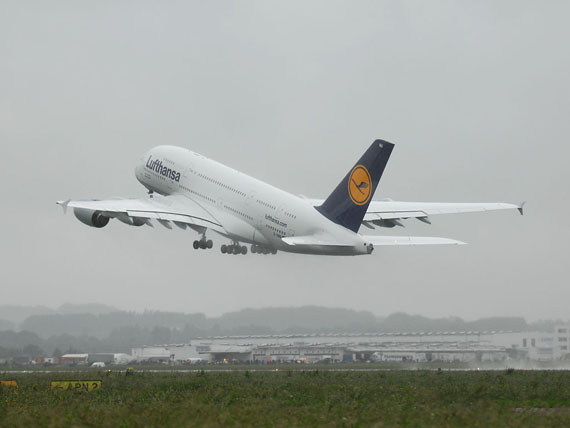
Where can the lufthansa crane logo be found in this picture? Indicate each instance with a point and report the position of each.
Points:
(359, 185)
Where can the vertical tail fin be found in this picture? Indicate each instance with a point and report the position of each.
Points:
(348, 203)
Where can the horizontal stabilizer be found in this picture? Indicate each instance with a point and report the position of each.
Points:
(379, 240)
(313, 240)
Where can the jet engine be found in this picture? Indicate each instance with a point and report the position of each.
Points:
(91, 217)
(390, 222)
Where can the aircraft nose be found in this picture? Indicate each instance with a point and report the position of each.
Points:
(138, 169)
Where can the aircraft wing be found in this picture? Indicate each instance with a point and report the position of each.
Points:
(178, 209)
(388, 213)
(395, 209)
(314, 240)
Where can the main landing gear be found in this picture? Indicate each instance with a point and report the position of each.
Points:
(258, 249)
(235, 248)
(203, 243)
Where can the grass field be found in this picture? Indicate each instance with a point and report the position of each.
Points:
(291, 398)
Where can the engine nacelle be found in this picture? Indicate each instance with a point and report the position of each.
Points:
(91, 217)
(390, 222)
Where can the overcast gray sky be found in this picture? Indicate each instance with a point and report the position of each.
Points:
(475, 95)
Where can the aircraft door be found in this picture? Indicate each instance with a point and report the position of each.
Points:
(188, 171)
(250, 201)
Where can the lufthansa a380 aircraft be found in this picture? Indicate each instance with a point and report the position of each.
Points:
(191, 191)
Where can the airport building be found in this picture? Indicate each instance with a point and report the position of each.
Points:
(88, 359)
(536, 346)
(561, 342)
(464, 346)
(326, 348)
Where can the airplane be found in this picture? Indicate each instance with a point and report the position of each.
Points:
(188, 190)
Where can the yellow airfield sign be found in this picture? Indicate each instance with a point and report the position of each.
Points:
(9, 383)
(77, 385)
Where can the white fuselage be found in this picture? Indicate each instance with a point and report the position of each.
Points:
(251, 210)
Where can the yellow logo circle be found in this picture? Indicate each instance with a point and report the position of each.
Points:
(359, 185)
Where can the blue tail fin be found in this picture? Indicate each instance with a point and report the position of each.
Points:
(348, 203)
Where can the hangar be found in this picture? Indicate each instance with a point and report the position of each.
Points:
(462, 346)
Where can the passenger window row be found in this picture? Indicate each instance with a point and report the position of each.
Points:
(259, 201)
(219, 183)
(277, 232)
(198, 194)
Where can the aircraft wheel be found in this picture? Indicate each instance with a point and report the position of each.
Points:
(244, 250)
(273, 251)
(253, 249)
(203, 245)
(224, 249)
(196, 245)
(237, 250)
(209, 243)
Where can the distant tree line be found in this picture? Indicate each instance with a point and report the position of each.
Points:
(119, 331)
